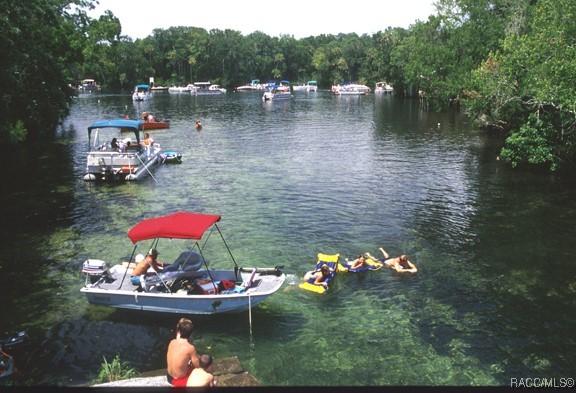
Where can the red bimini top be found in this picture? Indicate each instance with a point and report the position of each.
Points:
(180, 225)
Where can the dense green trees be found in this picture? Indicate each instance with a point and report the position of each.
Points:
(40, 47)
(511, 63)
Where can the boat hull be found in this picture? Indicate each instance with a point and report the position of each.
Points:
(173, 303)
(156, 125)
(129, 298)
(119, 167)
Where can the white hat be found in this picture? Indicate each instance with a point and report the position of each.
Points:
(139, 258)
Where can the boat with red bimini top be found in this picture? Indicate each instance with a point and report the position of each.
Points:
(186, 286)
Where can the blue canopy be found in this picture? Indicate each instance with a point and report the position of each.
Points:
(143, 87)
(133, 125)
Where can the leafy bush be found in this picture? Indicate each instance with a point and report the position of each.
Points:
(114, 371)
(532, 144)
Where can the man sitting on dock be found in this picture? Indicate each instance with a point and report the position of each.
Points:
(181, 357)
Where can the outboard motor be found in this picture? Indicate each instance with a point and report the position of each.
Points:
(94, 270)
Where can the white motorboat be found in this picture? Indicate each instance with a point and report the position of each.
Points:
(277, 91)
(119, 158)
(254, 85)
(141, 93)
(88, 86)
(350, 89)
(187, 286)
(181, 89)
(207, 89)
(383, 88)
(309, 87)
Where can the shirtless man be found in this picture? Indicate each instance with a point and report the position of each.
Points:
(181, 357)
(400, 264)
(151, 260)
(201, 376)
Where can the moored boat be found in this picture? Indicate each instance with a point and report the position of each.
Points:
(254, 85)
(188, 285)
(350, 89)
(88, 86)
(207, 89)
(277, 91)
(156, 125)
(308, 87)
(141, 92)
(121, 158)
(383, 88)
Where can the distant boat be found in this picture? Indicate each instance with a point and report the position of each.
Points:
(181, 89)
(350, 89)
(159, 89)
(308, 87)
(277, 91)
(141, 93)
(207, 89)
(254, 85)
(88, 86)
(383, 87)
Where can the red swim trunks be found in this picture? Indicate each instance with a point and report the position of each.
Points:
(179, 382)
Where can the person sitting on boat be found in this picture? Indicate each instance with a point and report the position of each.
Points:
(150, 261)
(148, 141)
(181, 358)
(400, 264)
(357, 263)
(114, 144)
(319, 276)
(201, 376)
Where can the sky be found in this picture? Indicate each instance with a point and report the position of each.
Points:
(299, 18)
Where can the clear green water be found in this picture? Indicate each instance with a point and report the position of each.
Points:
(494, 297)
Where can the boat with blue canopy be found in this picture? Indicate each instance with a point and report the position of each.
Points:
(277, 91)
(118, 157)
(141, 92)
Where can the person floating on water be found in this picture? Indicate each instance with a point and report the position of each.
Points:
(198, 125)
(400, 264)
(357, 263)
(319, 276)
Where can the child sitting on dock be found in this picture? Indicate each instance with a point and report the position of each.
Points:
(201, 376)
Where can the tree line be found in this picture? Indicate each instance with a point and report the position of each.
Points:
(509, 64)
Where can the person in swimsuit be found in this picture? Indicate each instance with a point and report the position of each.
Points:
(400, 264)
(181, 358)
(201, 377)
(319, 276)
(357, 263)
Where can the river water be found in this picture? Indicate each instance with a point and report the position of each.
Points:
(494, 298)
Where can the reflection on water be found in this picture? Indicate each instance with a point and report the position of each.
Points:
(493, 298)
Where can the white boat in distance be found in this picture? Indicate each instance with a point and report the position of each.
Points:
(350, 89)
(254, 85)
(181, 89)
(277, 91)
(309, 87)
(383, 87)
(207, 89)
(141, 93)
(182, 287)
(128, 160)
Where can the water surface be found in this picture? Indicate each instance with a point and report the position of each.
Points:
(494, 297)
